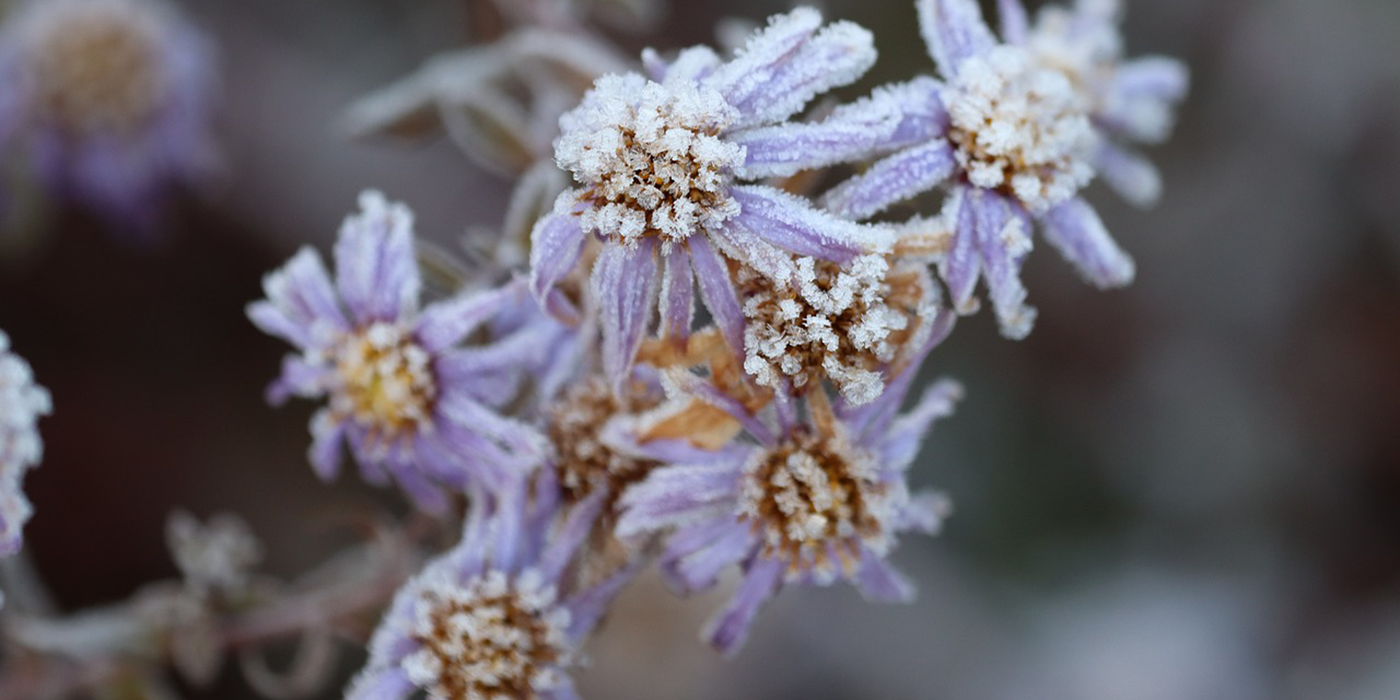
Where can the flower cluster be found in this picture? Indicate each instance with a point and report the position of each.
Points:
(594, 422)
(110, 101)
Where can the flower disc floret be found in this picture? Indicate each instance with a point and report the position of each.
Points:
(386, 381)
(95, 68)
(815, 496)
(650, 158)
(495, 636)
(583, 460)
(1019, 128)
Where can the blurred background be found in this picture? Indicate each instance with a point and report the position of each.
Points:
(1188, 489)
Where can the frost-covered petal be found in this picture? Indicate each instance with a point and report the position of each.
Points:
(696, 554)
(677, 296)
(954, 31)
(300, 297)
(746, 73)
(682, 383)
(380, 684)
(893, 116)
(375, 268)
(1074, 228)
(555, 245)
(740, 244)
(881, 583)
(1129, 173)
(901, 443)
(728, 630)
(1004, 240)
(299, 378)
(766, 93)
(567, 541)
(895, 178)
(791, 223)
(694, 63)
(445, 323)
(326, 434)
(1140, 98)
(1015, 24)
(718, 292)
(676, 494)
(624, 282)
(960, 268)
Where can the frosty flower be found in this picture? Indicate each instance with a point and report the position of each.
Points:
(213, 556)
(845, 324)
(497, 617)
(1127, 101)
(1016, 138)
(659, 162)
(21, 403)
(812, 502)
(109, 99)
(409, 401)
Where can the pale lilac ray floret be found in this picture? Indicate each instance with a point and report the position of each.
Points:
(1016, 137)
(661, 163)
(110, 101)
(22, 402)
(810, 501)
(408, 398)
(500, 615)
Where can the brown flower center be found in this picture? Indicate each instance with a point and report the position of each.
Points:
(96, 71)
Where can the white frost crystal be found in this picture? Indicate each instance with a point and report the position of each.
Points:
(21, 403)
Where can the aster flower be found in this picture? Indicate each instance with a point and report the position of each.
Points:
(497, 617)
(410, 402)
(21, 403)
(109, 100)
(1016, 141)
(1127, 100)
(660, 162)
(814, 501)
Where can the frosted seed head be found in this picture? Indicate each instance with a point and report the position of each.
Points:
(650, 158)
(1019, 128)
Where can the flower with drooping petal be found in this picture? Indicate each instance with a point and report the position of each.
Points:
(21, 403)
(110, 100)
(814, 501)
(499, 616)
(1127, 100)
(1015, 140)
(410, 401)
(660, 162)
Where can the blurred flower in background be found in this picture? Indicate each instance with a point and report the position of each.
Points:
(107, 102)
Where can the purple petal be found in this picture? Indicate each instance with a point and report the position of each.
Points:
(524, 442)
(375, 267)
(298, 378)
(694, 63)
(718, 293)
(960, 268)
(880, 583)
(1129, 173)
(741, 245)
(326, 434)
(1003, 236)
(567, 541)
(677, 494)
(790, 222)
(954, 32)
(901, 443)
(555, 245)
(925, 513)
(744, 75)
(728, 630)
(624, 283)
(445, 323)
(894, 179)
(426, 495)
(299, 299)
(893, 116)
(1015, 25)
(681, 382)
(1074, 228)
(388, 683)
(678, 295)
(769, 93)
(696, 555)
(1139, 102)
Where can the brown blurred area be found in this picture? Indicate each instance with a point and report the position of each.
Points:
(1186, 489)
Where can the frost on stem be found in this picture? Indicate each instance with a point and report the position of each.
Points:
(842, 323)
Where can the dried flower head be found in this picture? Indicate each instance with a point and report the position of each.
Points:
(410, 401)
(22, 402)
(213, 556)
(109, 99)
(660, 162)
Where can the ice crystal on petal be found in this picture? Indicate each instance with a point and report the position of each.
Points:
(495, 635)
(1019, 128)
(22, 402)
